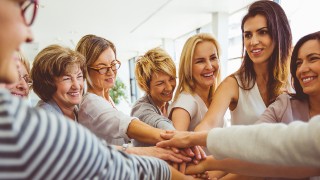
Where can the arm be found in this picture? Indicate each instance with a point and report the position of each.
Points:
(58, 142)
(251, 169)
(288, 147)
(226, 95)
(180, 119)
(142, 132)
(147, 113)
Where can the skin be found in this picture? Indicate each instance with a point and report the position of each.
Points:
(13, 33)
(308, 71)
(21, 88)
(205, 66)
(69, 90)
(259, 46)
(161, 90)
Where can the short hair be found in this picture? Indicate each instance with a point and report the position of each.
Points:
(280, 32)
(293, 66)
(156, 60)
(91, 47)
(186, 82)
(52, 62)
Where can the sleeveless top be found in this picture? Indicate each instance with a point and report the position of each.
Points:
(250, 106)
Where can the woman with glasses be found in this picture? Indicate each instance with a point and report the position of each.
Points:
(37, 144)
(22, 87)
(57, 74)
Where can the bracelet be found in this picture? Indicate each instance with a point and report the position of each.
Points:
(124, 147)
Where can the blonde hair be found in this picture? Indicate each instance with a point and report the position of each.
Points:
(186, 82)
(52, 62)
(156, 60)
(24, 61)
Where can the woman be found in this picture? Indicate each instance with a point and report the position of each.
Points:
(198, 79)
(57, 75)
(36, 144)
(305, 68)
(156, 75)
(263, 74)
(22, 87)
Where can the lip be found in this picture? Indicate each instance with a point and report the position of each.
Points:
(169, 94)
(256, 51)
(18, 94)
(208, 74)
(306, 80)
(74, 94)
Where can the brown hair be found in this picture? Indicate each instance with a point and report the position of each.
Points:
(52, 62)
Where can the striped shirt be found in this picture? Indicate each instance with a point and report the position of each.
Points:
(35, 144)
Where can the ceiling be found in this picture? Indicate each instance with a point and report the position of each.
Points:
(133, 25)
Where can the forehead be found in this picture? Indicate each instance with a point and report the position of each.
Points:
(72, 69)
(256, 22)
(106, 57)
(158, 76)
(311, 46)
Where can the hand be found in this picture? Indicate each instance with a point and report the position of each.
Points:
(161, 153)
(182, 139)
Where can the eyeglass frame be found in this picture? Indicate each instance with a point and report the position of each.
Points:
(107, 67)
(35, 10)
(26, 79)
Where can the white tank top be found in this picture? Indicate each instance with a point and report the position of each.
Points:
(250, 106)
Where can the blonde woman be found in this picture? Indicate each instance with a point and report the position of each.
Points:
(198, 79)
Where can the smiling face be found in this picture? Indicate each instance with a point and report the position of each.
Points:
(69, 87)
(205, 64)
(12, 34)
(21, 88)
(257, 39)
(161, 88)
(103, 81)
(308, 67)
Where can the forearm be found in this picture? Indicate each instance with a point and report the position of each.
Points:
(143, 132)
(260, 170)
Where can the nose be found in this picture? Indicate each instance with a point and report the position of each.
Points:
(29, 35)
(76, 83)
(304, 67)
(209, 64)
(254, 40)
(168, 86)
(22, 85)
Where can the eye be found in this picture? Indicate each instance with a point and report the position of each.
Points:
(263, 32)
(198, 61)
(298, 63)
(213, 58)
(247, 35)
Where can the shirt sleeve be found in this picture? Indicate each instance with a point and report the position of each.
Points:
(296, 144)
(146, 112)
(36, 144)
(102, 119)
(275, 111)
(186, 102)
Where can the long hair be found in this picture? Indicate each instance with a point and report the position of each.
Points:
(293, 66)
(280, 32)
(186, 82)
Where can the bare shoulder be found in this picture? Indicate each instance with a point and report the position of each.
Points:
(229, 83)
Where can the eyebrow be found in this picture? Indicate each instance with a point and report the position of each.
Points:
(257, 29)
(313, 54)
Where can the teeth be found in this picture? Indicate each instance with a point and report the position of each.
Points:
(307, 79)
(74, 94)
(256, 50)
(208, 75)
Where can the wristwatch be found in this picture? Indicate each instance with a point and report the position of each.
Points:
(124, 147)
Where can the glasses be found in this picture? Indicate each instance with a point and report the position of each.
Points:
(29, 10)
(114, 66)
(27, 79)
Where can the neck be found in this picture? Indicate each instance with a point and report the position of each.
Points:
(68, 111)
(160, 104)
(261, 70)
(203, 93)
(100, 92)
(314, 105)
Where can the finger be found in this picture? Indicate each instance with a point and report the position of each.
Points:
(174, 149)
(195, 161)
(174, 159)
(182, 157)
(189, 152)
(216, 174)
(202, 152)
(163, 144)
(196, 151)
(182, 167)
(166, 135)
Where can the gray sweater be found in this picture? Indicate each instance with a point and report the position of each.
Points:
(145, 110)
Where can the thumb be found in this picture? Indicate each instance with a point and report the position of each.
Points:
(164, 144)
(167, 135)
